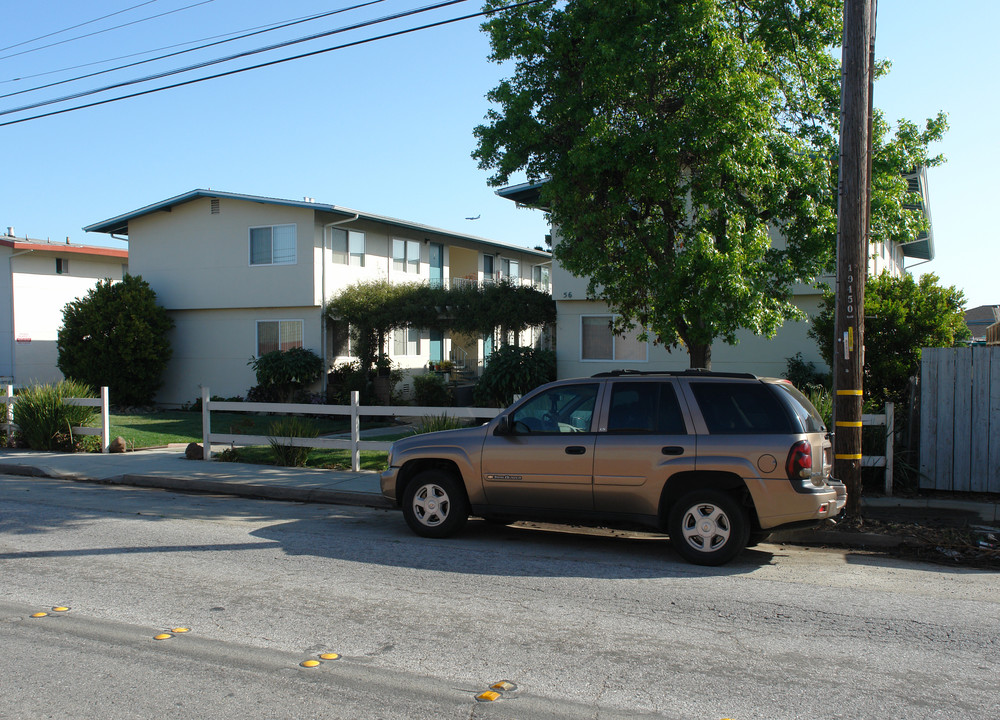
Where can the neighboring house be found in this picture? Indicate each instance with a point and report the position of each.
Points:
(980, 319)
(243, 275)
(585, 344)
(38, 278)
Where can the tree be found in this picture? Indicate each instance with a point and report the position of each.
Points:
(677, 139)
(116, 335)
(902, 316)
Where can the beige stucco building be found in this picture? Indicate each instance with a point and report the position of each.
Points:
(585, 344)
(37, 279)
(242, 275)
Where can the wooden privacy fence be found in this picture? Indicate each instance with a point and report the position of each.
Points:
(960, 419)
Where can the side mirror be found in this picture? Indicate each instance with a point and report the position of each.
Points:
(503, 427)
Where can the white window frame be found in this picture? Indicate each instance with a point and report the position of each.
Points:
(538, 283)
(280, 322)
(409, 260)
(614, 342)
(408, 339)
(285, 260)
(510, 268)
(352, 251)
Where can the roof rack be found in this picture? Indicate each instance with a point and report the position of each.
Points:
(690, 372)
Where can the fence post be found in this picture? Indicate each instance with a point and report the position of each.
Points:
(890, 435)
(355, 431)
(206, 425)
(8, 415)
(105, 420)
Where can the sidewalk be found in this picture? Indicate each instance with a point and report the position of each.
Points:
(168, 468)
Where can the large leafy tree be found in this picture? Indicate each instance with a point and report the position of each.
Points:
(116, 335)
(902, 315)
(679, 139)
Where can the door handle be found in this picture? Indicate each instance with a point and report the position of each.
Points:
(576, 450)
(673, 450)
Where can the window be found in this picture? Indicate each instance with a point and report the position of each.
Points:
(489, 269)
(406, 341)
(348, 247)
(405, 255)
(599, 342)
(540, 275)
(741, 408)
(510, 268)
(645, 407)
(272, 245)
(562, 409)
(278, 335)
(62, 266)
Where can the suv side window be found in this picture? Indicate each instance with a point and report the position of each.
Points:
(561, 409)
(741, 408)
(645, 407)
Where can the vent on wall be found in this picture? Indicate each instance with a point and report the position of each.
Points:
(215, 206)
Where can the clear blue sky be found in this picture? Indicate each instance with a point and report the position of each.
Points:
(386, 127)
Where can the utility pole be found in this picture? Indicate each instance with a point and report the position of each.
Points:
(852, 245)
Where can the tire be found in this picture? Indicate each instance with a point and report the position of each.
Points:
(435, 504)
(756, 538)
(708, 527)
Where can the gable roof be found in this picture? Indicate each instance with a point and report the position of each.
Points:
(119, 225)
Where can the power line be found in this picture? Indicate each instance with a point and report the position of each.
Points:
(78, 25)
(355, 43)
(247, 33)
(99, 32)
(229, 58)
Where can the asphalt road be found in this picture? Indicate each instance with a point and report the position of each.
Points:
(594, 625)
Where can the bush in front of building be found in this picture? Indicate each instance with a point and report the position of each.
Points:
(45, 421)
(116, 335)
(513, 370)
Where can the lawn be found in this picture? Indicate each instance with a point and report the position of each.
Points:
(318, 458)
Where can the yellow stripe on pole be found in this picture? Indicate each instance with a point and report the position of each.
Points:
(847, 423)
(850, 392)
(848, 457)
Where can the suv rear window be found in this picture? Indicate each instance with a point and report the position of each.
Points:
(741, 408)
(804, 410)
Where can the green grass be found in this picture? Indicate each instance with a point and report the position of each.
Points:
(325, 459)
(177, 426)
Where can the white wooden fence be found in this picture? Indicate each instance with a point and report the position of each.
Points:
(354, 411)
(960, 419)
(887, 420)
(104, 431)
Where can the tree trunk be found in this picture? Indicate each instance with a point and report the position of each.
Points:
(700, 356)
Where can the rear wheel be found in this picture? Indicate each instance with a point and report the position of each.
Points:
(708, 527)
(434, 504)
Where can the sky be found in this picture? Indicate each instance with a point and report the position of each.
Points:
(386, 126)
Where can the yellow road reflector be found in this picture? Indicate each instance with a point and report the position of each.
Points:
(162, 636)
(61, 608)
(180, 630)
(488, 696)
(40, 614)
(505, 686)
(330, 656)
(310, 663)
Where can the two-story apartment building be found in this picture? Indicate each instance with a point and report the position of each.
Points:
(585, 344)
(37, 279)
(242, 275)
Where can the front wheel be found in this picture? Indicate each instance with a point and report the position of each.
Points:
(708, 527)
(434, 504)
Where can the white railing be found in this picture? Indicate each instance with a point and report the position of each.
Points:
(104, 431)
(458, 357)
(354, 411)
(887, 420)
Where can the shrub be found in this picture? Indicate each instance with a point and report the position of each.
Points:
(281, 373)
(434, 423)
(44, 421)
(290, 427)
(513, 370)
(804, 374)
(431, 391)
(116, 335)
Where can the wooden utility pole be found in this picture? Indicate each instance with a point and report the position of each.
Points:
(852, 245)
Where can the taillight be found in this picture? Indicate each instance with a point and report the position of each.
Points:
(799, 464)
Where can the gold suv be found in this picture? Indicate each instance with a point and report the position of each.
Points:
(715, 460)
